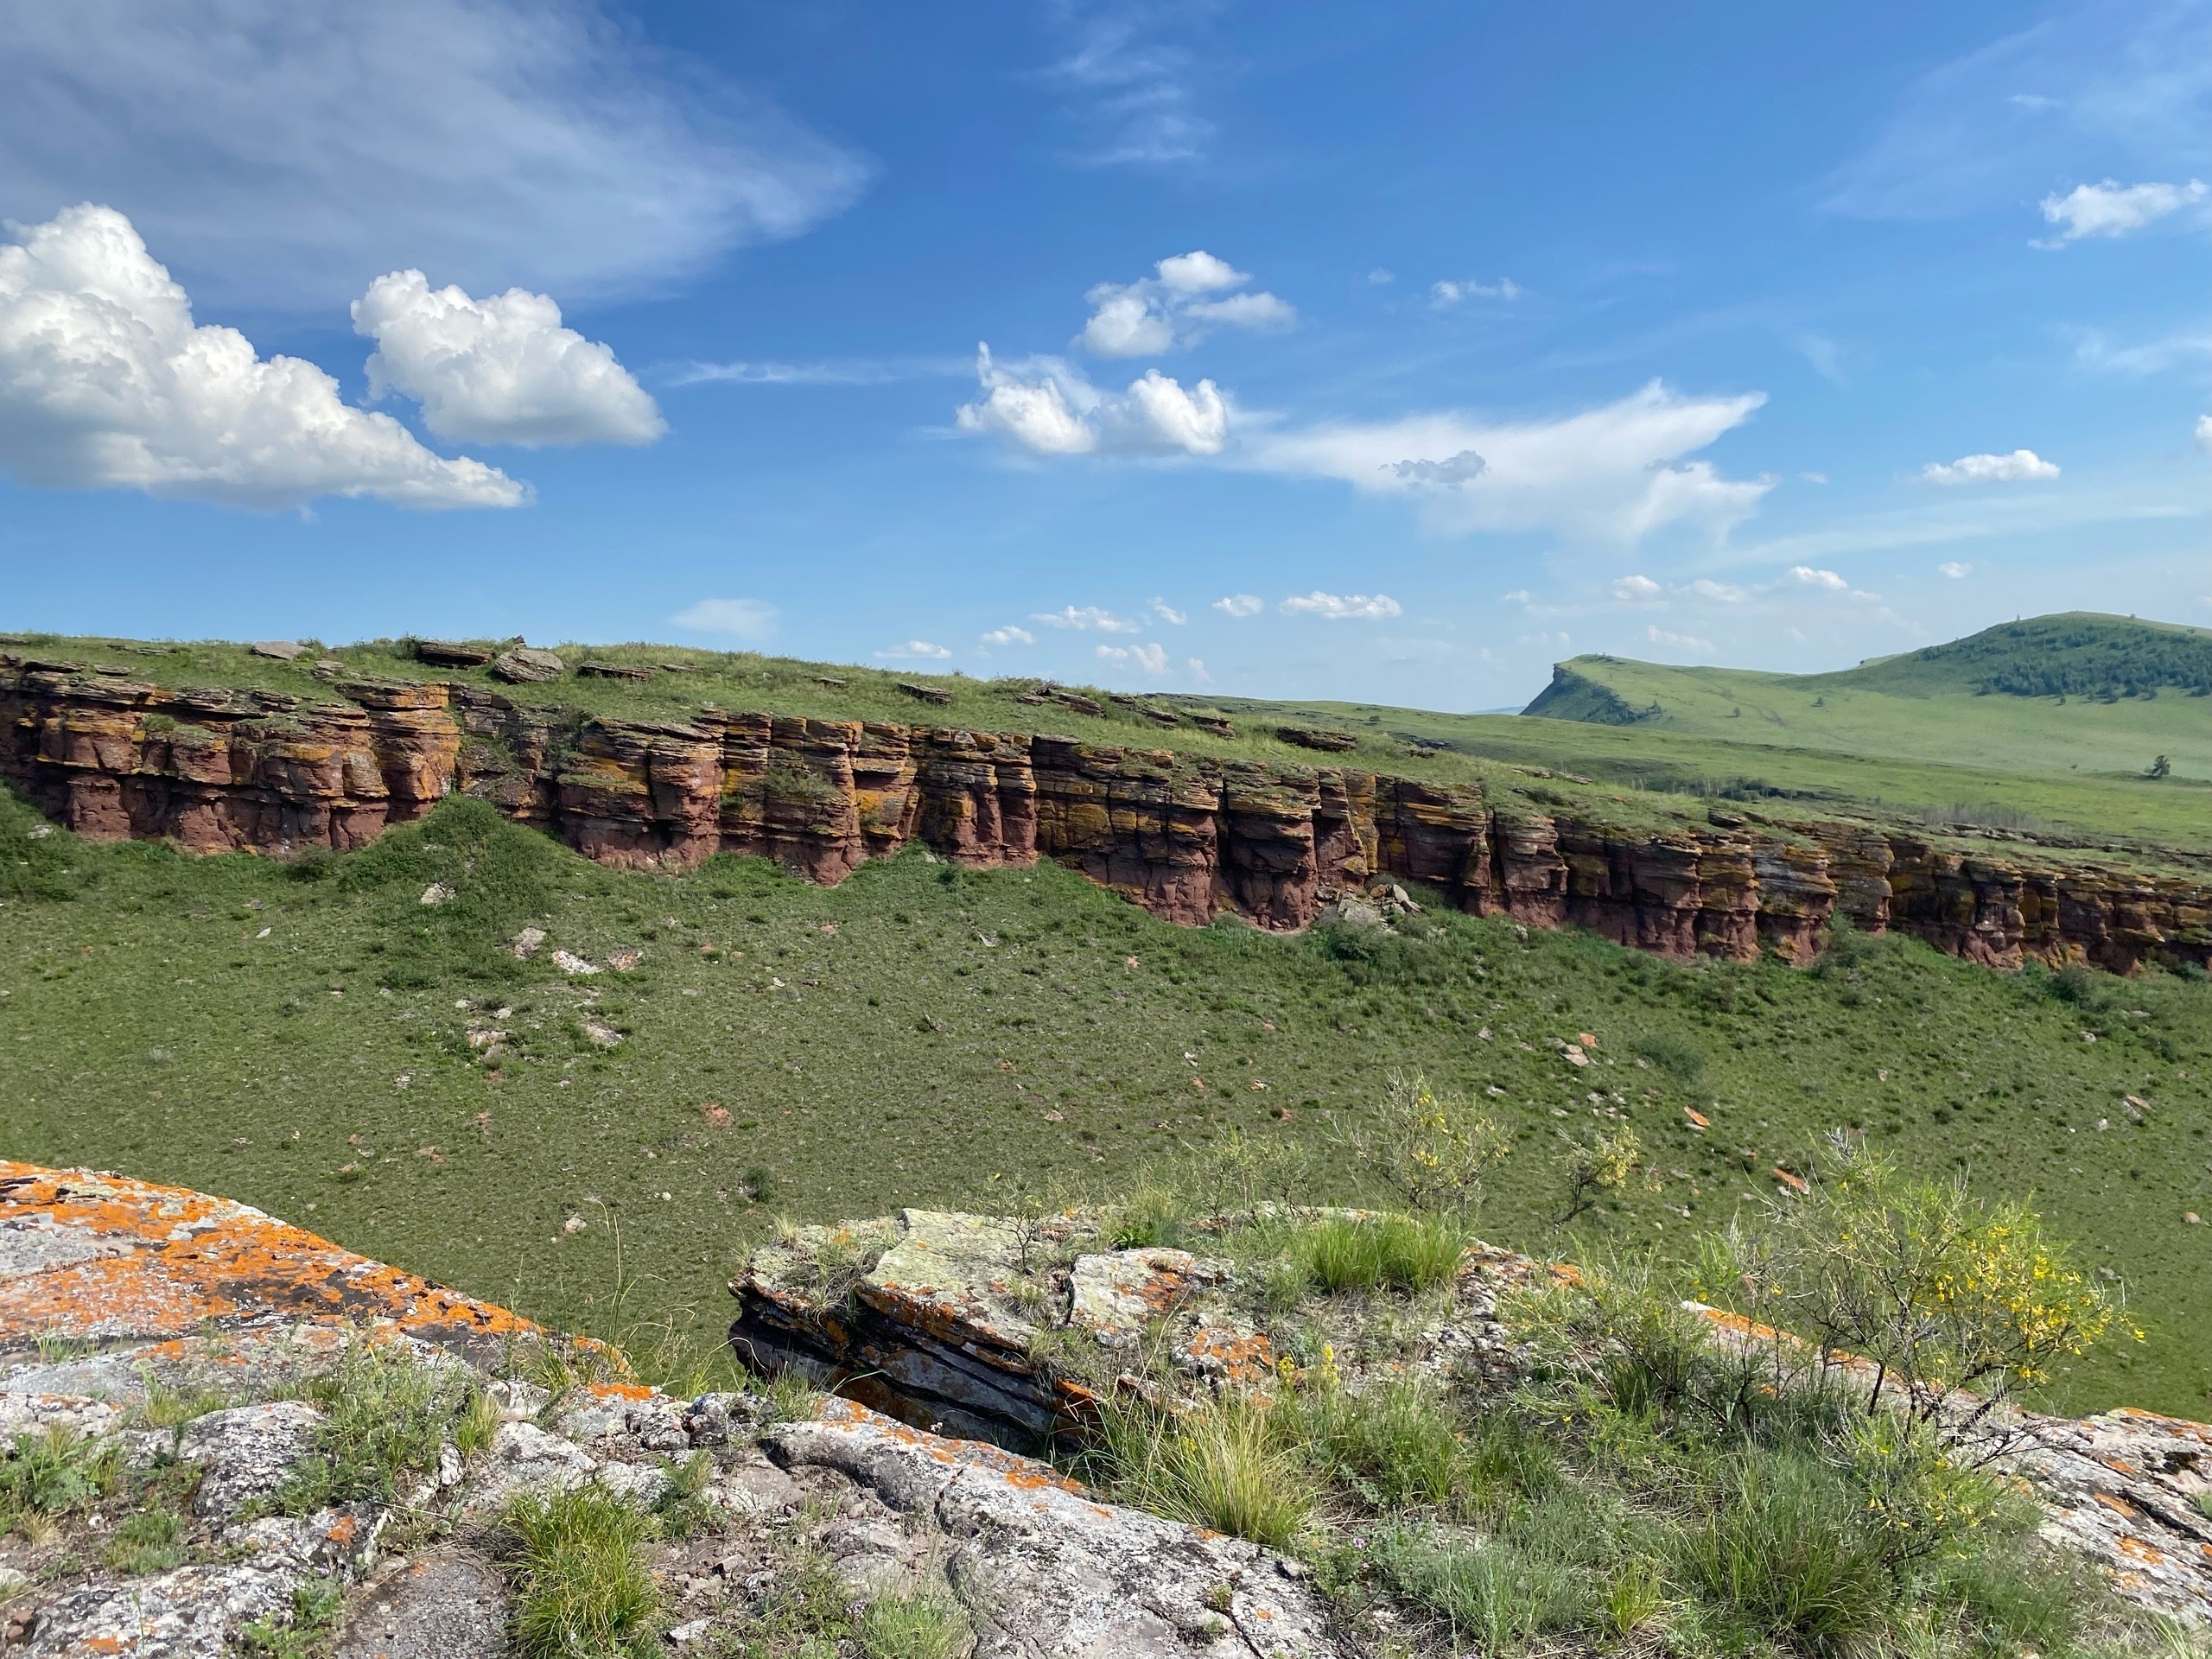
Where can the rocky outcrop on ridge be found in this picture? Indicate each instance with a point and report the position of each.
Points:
(944, 1321)
(1186, 836)
(178, 1329)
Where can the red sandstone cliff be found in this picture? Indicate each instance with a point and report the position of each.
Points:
(1185, 836)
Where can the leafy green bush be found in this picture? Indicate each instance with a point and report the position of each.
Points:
(51, 1472)
(1679, 1058)
(37, 862)
(500, 875)
(1944, 1294)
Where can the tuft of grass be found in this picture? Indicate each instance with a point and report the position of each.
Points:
(1408, 1253)
(583, 1587)
(1223, 1465)
(148, 1540)
(45, 1475)
(1397, 1443)
(926, 1623)
(1504, 1592)
(386, 1414)
(1784, 1551)
(300, 1633)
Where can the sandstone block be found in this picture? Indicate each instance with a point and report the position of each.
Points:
(522, 666)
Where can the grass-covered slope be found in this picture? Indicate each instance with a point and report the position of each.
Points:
(2074, 693)
(313, 1039)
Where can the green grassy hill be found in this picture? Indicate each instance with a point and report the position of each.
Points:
(2076, 693)
(313, 1040)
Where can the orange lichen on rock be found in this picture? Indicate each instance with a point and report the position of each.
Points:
(99, 1256)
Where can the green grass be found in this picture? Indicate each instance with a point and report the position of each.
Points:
(386, 1415)
(583, 1588)
(958, 1027)
(2077, 693)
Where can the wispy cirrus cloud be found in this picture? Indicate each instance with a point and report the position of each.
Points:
(1131, 85)
(283, 156)
(1617, 472)
(847, 371)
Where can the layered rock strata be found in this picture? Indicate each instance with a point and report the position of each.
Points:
(1186, 836)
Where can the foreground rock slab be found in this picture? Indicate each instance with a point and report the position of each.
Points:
(152, 1287)
(1056, 1572)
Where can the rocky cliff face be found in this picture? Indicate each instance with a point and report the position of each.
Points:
(1187, 836)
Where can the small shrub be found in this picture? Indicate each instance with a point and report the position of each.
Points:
(1432, 1150)
(1679, 1058)
(583, 1587)
(1943, 1291)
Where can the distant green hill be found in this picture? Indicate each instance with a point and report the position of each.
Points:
(2076, 692)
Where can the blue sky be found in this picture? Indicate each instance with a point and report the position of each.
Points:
(1393, 351)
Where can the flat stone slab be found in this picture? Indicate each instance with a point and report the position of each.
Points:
(86, 1255)
(447, 1604)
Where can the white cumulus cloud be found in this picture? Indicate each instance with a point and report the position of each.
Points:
(1956, 570)
(283, 153)
(1240, 604)
(1009, 635)
(1659, 636)
(1613, 473)
(741, 619)
(498, 370)
(1087, 617)
(912, 651)
(1198, 272)
(1723, 592)
(1172, 308)
(105, 382)
(2114, 209)
(1153, 660)
(1342, 608)
(2019, 467)
(1046, 406)
(1636, 589)
(1166, 613)
(1825, 578)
